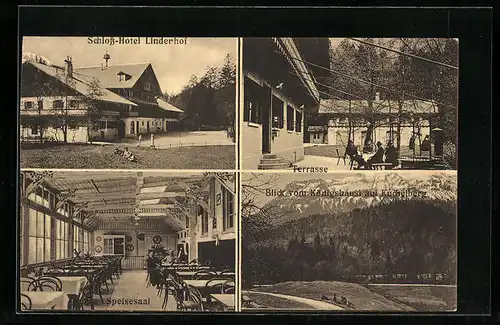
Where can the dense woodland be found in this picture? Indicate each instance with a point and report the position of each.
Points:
(359, 70)
(398, 242)
(208, 102)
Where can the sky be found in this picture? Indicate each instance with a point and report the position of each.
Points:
(173, 64)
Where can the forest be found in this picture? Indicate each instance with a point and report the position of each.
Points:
(403, 241)
(209, 101)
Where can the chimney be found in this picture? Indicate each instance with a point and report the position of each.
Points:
(377, 96)
(68, 68)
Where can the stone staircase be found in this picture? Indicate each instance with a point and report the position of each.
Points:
(272, 161)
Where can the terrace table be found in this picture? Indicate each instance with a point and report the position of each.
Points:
(226, 300)
(43, 300)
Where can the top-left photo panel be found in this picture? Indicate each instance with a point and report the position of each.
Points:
(128, 103)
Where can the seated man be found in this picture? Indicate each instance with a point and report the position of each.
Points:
(378, 157)
(350, 150)
(426, 144)
(391, 154)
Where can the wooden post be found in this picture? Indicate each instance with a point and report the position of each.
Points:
(430, 138)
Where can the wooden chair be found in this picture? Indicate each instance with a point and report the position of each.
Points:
(227, 272)
(28, 284)
(49, 283)
(339, 156)
(228, 287)
(26, 303)
(203, 274)
(85, 297)
(192, 299)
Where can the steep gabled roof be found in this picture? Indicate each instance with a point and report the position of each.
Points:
(334, 106)
(108, 77)
(79, 83)
(167, 106)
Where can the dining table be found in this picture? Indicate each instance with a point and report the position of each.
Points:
(47, 300)
(187, 275)
(72, 285)
(201, 285)
(72, 272)
(225, 299)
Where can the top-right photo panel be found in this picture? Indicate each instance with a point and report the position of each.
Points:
(324, 104)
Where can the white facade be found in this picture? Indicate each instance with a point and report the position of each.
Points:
(338, 133)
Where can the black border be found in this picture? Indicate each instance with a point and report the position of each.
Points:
(473, 27)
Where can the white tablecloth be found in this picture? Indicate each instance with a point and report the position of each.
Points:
(48, 299)
(71, 285)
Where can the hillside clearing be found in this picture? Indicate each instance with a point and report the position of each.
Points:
(361, 297)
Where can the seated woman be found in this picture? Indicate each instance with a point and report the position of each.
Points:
(169, 257)
(378, 157)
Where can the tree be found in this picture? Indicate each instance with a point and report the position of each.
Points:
(92, 103)
(209, 102)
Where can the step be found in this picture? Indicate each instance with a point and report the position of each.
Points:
(273, 161)
(269, 156)
(275, 166)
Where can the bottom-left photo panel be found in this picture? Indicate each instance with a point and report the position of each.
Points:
(127, 241)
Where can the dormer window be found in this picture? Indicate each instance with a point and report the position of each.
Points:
(122, 76)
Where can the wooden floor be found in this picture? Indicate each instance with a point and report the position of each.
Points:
(132, 285)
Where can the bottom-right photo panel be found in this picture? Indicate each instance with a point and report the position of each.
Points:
(367, 241)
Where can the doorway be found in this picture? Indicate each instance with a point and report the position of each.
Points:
(266, 120)
(137, 127)
(147, 127)
(121, 129)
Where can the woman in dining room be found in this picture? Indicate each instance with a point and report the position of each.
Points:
(169, 257)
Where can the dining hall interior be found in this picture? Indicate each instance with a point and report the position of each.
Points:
(127, 241)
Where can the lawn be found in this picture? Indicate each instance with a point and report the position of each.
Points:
(422, 298)
(260, 301)
(361, 298)
(85, 156)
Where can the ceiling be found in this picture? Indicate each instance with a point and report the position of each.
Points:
(130, 197)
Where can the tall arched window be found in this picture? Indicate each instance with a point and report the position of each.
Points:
(132, 127)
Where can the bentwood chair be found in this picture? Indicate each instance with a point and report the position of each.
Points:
(191, 299)
(26, 303)
(203, 274)
(28, 284)
(228, 287)
(85, 297)
(49, 283)
(227, 272)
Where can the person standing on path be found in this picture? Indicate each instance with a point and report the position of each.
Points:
(140, 138)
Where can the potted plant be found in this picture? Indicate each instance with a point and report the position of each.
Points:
(159, 251)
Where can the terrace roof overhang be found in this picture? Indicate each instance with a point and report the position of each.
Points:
(279, 60)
